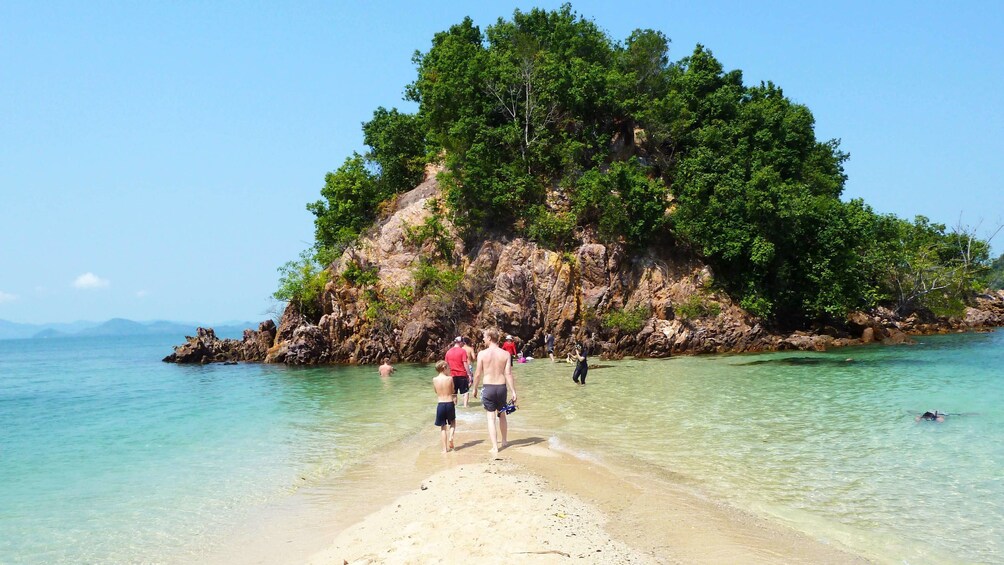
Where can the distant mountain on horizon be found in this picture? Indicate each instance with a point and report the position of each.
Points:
(115, 327)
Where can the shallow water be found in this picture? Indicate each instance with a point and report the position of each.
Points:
(108, 455)
(825, 441)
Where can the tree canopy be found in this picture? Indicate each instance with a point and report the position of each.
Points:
(550, 129)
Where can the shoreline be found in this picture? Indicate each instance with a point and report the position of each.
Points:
(206, 348)
(411, 503)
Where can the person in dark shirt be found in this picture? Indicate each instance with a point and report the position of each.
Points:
(549, 345)
(581, 363)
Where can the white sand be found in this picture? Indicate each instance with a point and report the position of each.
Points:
(486, 512)
(539, 505)
(409, 503)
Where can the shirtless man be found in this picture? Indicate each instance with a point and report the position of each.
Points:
(495, 366)
(471, 358)
(386, 369)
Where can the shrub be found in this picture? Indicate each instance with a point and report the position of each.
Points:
(385, 308)
(430, 278)
(627, 321)
(696, 307)
(356, 274)
(553, 230)
(302, 282)
(432, 231)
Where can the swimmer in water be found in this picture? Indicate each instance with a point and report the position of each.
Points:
(931, 416)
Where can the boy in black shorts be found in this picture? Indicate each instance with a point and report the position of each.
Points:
(446, 410)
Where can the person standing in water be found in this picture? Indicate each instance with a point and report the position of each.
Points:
(581, 363)
(549, 345)
(494, 365)
(510, 347)
(456, 358)
(471, 359)
(386, 369)
(446, 410)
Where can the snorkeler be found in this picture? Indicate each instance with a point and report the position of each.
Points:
(931, 416)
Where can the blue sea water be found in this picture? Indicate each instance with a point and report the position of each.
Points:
(108, 455)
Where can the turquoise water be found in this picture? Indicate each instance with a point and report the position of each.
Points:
(108, 455)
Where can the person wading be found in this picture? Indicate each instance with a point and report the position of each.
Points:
(495, 367)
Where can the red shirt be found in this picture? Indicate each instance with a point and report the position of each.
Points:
(456, 358)
(510, 347)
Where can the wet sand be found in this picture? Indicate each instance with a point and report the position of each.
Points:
(536, 504)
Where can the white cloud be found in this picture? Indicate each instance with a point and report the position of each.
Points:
(142, 293)
(4, 297)
(90, 280)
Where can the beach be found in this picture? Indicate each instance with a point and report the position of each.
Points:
(536, 503)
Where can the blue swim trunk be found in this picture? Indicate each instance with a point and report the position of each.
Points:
(446, 413)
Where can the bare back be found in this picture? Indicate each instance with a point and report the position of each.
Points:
(444, 387)
(494, 366)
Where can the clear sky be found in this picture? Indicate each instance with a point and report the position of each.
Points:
(156, 157)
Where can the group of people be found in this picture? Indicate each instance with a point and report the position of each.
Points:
(492, 367)
(461, 370)
(579, 357)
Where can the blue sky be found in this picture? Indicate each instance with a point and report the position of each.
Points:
(156, 158)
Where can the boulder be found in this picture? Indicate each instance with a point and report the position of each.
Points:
(307, 346)
(205, 347)
(868, 335)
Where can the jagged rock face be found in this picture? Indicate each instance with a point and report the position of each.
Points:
(205, 347)
(528, 291)
(989, 311)
(307, 347)
(256, 344)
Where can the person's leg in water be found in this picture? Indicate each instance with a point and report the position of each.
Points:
(503, 425)
(444, 434)
(576, 373)
(492, 433)
(585, 371)
(453, 432)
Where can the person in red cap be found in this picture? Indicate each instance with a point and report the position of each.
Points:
(456, 358)
(510, 347)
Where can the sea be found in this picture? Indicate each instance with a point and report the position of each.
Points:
(109, 455)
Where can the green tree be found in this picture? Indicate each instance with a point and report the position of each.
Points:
(623, 202)
(550, 129)
(996, 276)
(348, 205)
(929, 267)
(759, 195)
(515, 110)
(397, 143)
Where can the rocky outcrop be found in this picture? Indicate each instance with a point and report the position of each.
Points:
(665, 301)
(205, 347)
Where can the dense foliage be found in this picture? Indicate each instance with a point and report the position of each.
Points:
(549, 129)
(301, 282)
(996, 275)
